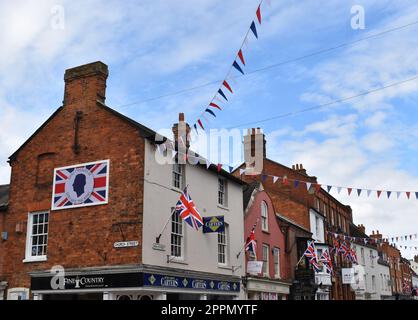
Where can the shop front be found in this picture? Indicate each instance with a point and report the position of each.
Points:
(266, 289)
(131, 284)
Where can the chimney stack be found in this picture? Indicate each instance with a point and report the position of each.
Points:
(254, 151)
(85, 84)
(299, 168)
(376, 235)
(362, 228)
(181, 132)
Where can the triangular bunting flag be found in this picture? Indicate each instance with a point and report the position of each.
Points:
(359, 192)
(215, 105)
(241, 56)
(388, 193)
(329, 188)
(263, 177)
(416, 195)
(230, 168)
(285, 181)
(339, 190)
(174, 153)
(378, 193)
(398, 194)
(275, 179)
(408, 194)
(369, 192)
(254, 29)
(296, 183)
(211, 112)
(226, 85)
(349, 190)
(259, 14)
(219, 167)
(207, 164)
(195, 127)
(236, 66)
(200, 124)
(317, 187)
(222, 94)
(308, 186)
(241, 172)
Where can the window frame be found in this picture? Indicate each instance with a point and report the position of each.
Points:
(264, 219)
(223, 192)
(223, 245)
(178, 175)
(276, 255)
(29, 257)
(181, 236)
(266, 260)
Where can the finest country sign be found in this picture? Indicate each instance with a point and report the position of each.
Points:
(81, 185)
(213, 224)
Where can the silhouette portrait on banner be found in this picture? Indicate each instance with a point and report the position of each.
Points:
(79, 184)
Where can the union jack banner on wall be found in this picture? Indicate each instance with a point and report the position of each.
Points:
(81, 185)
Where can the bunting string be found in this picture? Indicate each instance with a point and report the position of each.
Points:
(311, 187)
(239, 63)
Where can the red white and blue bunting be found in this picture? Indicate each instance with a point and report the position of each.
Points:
(225, 89)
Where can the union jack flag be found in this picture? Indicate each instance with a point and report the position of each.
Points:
(311, 254)
(344, 249)
(251, 244)
(326, 260)
(353, 256)
(186, 209)
(81, 185)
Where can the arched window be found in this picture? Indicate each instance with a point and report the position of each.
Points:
(264, 217)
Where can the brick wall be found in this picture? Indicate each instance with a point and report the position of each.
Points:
(81, 237)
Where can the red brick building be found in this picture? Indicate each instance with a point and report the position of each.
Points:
(274, 280)
(295, 203)
(101, 246)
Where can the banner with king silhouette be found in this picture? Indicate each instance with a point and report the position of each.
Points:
(81, 185)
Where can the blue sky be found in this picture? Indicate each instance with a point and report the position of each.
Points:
(159, 47)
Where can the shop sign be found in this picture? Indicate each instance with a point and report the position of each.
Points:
(213, 224)
(165, 281)
(90, 281)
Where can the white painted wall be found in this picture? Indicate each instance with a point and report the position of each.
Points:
(201, 250)
(364, 272)
(384, 288)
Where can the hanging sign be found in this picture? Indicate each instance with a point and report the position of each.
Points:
(81, 185)
(348, 275)
(213, 224)
(254, 267)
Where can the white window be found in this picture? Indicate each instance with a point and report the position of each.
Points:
(332, 216)
(266, 251)
(264, 217)
(222, 192)
(37, 236)
(18, 294)
(325, 209)
(372, 258)
(363, 261)
(373, 284)
(276, 256)
(178, 176)
(318, 228)
(223, 247)
(176, 235)
(317, 204)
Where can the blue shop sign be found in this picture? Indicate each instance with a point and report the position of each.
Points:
(213, 224)
(165, 281)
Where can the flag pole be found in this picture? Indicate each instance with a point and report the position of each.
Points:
(157, 239)
(255, 225)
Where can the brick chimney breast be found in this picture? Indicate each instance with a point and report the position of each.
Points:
(85, 84)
